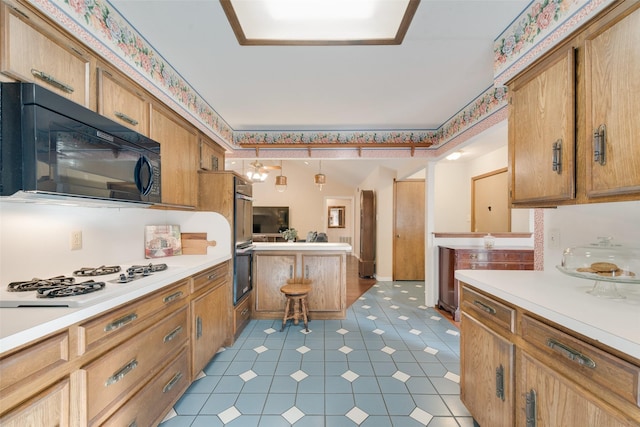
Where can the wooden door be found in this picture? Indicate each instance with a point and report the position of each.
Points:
(409, 228)
(554, 401)
(122, 103)
(486, 369)
(490, 202)
(541, 119)
(612, 67)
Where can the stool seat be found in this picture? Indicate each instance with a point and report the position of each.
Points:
(296, 307)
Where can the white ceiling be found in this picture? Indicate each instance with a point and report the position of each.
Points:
(445, 61)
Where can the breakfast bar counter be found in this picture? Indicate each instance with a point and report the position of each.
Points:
(324, 264)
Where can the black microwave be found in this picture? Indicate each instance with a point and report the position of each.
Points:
(52, 146)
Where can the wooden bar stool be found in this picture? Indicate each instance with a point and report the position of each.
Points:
(296, 307)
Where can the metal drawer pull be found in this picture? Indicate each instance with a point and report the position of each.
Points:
(500, 382)
(599, 142)
(172, 297)
(244, 312)
(177, 377)
(51, 80)
(198, 327)
(171, 335)
(212, 276)
(125, 118)
(116, 324)
(556, 160)
(121, 373)
(570, 353)
(530, 408)
(133, 424)
(485, 307)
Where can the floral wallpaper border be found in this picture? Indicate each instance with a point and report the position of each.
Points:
(543, 24)
(102, 28)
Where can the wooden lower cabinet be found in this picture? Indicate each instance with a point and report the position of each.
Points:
(242, 314)
(517, 370)
(550, 400)
(325, 270)
(47, 409)
(210, 326)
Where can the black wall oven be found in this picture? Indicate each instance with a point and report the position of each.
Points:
(243, 232)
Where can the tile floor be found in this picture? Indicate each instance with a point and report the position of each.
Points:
(391, 362)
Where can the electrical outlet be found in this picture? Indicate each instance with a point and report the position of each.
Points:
(554, 239)
(76, 240)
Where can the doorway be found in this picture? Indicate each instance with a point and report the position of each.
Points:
(408, 229)
(490, 202)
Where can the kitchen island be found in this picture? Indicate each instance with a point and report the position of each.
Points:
(325, 264)
(537, 348)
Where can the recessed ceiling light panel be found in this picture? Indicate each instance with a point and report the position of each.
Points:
(319, 22)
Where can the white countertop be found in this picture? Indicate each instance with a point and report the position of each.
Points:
(22, 325)
(301, 246)
(564, 300)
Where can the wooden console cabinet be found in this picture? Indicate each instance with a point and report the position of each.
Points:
(452, 258)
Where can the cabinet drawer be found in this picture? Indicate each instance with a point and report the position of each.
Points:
(596, 367)
(157, 396)
(121, 323)
(242, 314)
(485, 308)
(467, 265)
(47, 409)
(211, 277)
(494, 255)
(130, 364)
(39, 359)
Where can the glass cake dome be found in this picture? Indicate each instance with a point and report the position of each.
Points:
(605, 262)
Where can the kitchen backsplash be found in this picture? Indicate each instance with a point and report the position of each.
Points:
(582, 224)
(35, 240)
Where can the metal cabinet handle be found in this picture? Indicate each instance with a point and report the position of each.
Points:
(125, 118)
(173, 381)
(485, 307)
(500, 382)
(52, 80)
(118, 323)
(530, 408)
(198, 327)
(570, 353)
(291, 272)
(117, 376)
(133, 424)
(306, 271)
(556, 160)
(171, 335)
(599, 145)
(172, 297)
(244, 312)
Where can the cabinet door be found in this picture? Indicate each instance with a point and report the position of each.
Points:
(32, 55)
(48, 409)
(121, 103)
(179, 151)
(211, 155)
(271, 273)
(541, 133)
(612, 65)
(548, 400)
(486, 365)
(327, 286)
(210, 326)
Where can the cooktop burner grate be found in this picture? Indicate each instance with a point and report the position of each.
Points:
(138, 271)
(35, 284)
(71, 290)
(97, 271)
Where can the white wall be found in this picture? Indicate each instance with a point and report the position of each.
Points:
(307, 206)
(35, 239)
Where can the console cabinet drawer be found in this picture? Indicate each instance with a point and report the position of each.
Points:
(594, 366)
(488, 309)
(121, 323)
(127, 366)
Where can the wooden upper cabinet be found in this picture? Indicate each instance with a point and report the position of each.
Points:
(32, 54)
(541, 132)
(612, 92)
(211, 154)
(121, 102)
(179, 154)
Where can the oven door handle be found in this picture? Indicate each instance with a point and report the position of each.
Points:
(240, 251)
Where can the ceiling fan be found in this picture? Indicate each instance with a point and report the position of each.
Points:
(258, 172)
